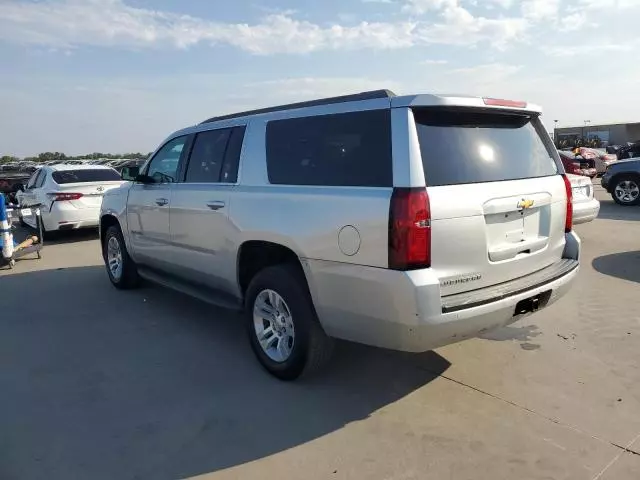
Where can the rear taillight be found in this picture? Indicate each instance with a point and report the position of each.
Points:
(568, 223)
(575, 168)
(409, 229)
(61, 197)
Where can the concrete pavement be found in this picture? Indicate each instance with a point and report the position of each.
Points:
(101, 384)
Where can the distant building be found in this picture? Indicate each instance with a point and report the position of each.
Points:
(608, 134)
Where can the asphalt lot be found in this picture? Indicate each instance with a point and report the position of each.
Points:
(149, 384)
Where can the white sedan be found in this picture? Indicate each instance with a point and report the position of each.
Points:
(585, 206)
(69, 195)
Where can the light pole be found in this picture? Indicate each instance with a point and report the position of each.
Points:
(555, 131)
(586, 128)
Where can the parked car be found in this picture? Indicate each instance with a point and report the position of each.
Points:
(629, 150)
(622, 181)
(71, 195)
(576, 165)
(11, 179)
(601, 159)
(128, 164)
(585, 206)
(401, 222)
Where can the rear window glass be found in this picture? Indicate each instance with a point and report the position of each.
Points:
(83, 176)
(346, 149)
(464, 146)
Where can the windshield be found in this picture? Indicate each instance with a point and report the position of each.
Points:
(469, 146)
(85, 176)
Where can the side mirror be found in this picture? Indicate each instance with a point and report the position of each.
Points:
(145, 179)
(130, 173)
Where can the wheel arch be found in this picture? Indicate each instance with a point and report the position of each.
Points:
(256, 255)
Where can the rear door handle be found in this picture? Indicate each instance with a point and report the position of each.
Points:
(161, 202)
(215, 204)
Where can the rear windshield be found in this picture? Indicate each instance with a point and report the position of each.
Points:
(464, 146)
(85, 176)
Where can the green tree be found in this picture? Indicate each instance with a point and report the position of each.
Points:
(8, 159)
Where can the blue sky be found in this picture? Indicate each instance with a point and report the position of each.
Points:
(119, 75)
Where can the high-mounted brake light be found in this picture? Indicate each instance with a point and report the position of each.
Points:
(409, 229)
(568, 223)
(61, 197)
(498, 102)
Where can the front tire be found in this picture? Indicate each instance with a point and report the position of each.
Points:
(121, 269)
(626, 191)
(282, 324)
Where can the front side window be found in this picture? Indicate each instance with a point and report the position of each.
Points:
(346, 149)
(163, 168)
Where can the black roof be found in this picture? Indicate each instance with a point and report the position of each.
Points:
(312, 103)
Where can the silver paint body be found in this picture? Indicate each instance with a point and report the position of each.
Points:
(355, 295)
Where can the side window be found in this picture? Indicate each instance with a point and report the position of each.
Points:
(207, 156)
(346, 149)
(41, 178)
(163, 167)
(231, 163)
(32, 181)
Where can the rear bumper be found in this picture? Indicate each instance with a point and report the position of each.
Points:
(66, 217)
(584, 212)
(404, 310)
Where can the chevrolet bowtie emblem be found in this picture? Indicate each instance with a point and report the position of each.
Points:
(523, 204)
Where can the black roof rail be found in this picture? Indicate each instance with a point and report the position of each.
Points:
(312, 103)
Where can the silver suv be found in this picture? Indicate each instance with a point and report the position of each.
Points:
(404, 222)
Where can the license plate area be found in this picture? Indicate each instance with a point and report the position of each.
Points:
(532, 304)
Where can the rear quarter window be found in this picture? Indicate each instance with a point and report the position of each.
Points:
(461, 146)
(347, 149)
(84, 176)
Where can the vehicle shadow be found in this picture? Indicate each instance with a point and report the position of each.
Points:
(625, 265)
(99, 383)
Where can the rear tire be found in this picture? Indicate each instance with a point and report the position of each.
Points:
(292, 320)
(121, 269)
(626, 190)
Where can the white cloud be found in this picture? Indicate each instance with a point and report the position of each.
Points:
(460, 27)
(307, 88)
(574, 21)
(503, 3)
(540, 9)
(479, 78)
(422, 6)
(70, 23)
(608, 4)
(434, 62)
(590, 49)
